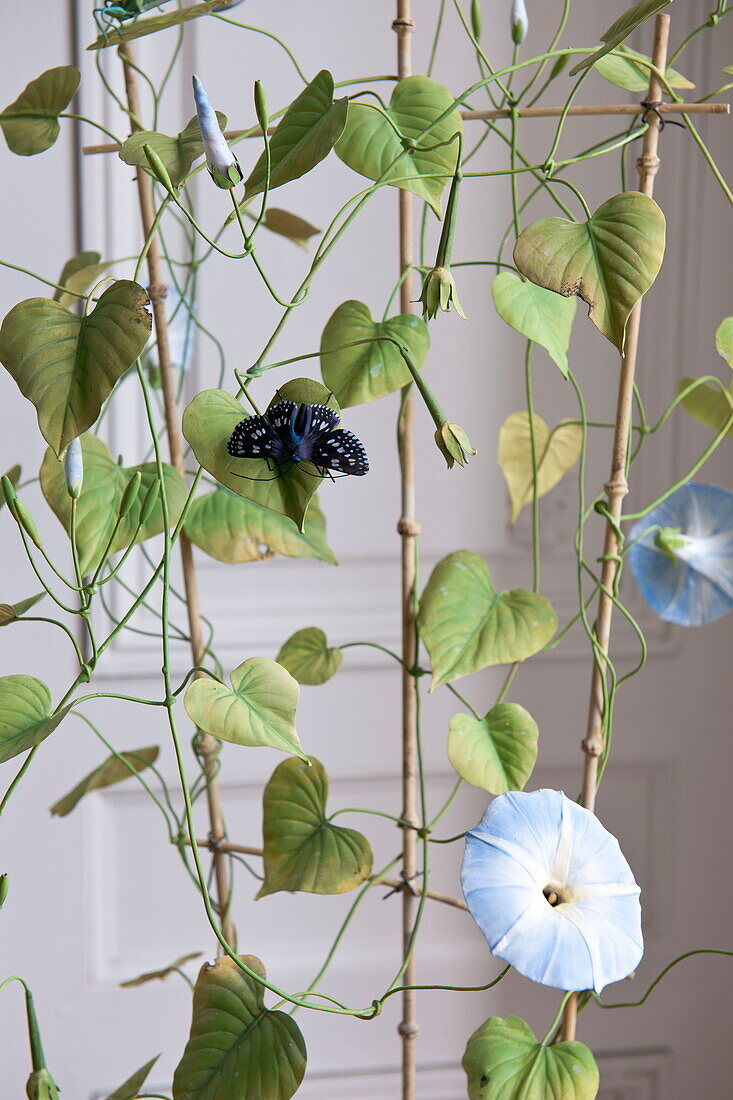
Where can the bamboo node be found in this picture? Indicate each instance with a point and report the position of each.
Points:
(592, 746)
(617, 487)
(648, 164)
(403, 25)
(408, 1030)
(157, 292)
(408, 528)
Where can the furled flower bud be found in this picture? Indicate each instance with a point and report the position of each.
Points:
(261, 106)
(220, 160)
(74, 468)
(41, 1086)
(520, 22)
(158, 169)
(149, 502)
(476, 18)
(130, 495)
(438, 292)
(4, 883)
(454, 444)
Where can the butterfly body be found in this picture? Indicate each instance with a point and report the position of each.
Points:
(289, 432)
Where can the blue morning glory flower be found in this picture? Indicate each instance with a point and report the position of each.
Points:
(684, 567)
(551, 891)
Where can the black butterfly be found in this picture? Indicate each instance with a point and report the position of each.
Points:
(294, 433)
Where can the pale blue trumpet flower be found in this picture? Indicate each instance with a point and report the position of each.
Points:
(220, 160)
(74, 468)
(552, 893)
(683, 565)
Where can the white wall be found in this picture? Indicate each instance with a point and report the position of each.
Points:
(99, 896)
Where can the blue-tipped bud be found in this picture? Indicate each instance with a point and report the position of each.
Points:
(74, 468)
(520, 22)
(220, 160)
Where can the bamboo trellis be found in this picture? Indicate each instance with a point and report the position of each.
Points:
(616, 489)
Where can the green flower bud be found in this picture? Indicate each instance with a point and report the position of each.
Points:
(439, 292)
(74, 468)
(561, 63)
(454, 444)
(476, 18)
(4, 884)
(130, 494)
(261, 106)
(669, 540)
(13, 476)
(41, 1086)
(158, 169)
(151, 499)
(8, 490)
(24, 519)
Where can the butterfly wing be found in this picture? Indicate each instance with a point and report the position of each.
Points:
(340, 451)
(323, 419)
(280, 416)
(254, 437)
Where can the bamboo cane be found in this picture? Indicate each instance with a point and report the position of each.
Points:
(617, 486)
(408, 529)
(208, 746)
(523, 112)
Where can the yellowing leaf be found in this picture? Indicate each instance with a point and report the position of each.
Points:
(113, 770)
(608, 261)
(556, 453)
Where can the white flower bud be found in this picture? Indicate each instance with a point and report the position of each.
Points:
(74, 468)
(520, 22)
(222, 164)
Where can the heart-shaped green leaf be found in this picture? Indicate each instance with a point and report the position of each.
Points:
(285, 224)
(307, 657)
(209, 421)
(400, 152)
(609, 261)
(139, 28)
(25, 714)
(258, 710)
(114, 770)
(305, 134)
(130, 1089)
(556, 452)
(621, 29)
(708, 404)
(467, 625)
(9, 612)
(237, 1047)
(368, 371)
(302, 849)
(535, 313)
(504, 1061)
(621, 67)
(498, 752)
(100, 499)
(30, 124)
(159, 975)
(68, 365)
(177, 153)
(78, 274)
(724, 340)
(232, 529)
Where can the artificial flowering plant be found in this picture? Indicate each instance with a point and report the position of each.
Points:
(548, 886)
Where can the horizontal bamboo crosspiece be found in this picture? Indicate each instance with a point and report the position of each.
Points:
(523, 112)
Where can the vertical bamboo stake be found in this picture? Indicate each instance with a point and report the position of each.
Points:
(617, 486)
(208, 746)
(408, 529)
